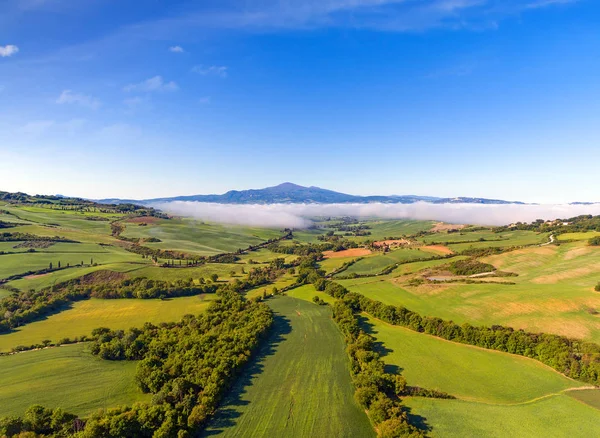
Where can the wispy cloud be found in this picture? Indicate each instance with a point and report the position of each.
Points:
(8, 50)
(204, 100)
(212, 70)
(299, 215)
(69, 97)
(176, 49)
(156, 83)
(385, 15)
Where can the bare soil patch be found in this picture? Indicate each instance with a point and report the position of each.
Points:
(438, 249)
(442, 226)
(353, 252)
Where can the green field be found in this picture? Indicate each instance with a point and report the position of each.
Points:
(374, 264)
(84, 316)
(467, 372)
(578, 236)
(68, 377)
(197, 237)
(308, 292)
(299, 386)
(65, 253)
(381, 229)
(556, 416)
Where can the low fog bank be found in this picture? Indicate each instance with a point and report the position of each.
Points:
(298, 215)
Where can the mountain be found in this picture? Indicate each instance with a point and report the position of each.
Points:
(290, 193)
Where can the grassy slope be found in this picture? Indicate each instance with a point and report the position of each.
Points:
(467, 372)
(72, 254)
(557, 416)
(201, 238)
(554, 292)
(84, 316)
(67, 377)
(300, 385)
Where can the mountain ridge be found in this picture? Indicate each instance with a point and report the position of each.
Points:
(290, 193)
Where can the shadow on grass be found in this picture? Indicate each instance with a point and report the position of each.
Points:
(417, 420)
(229, 411)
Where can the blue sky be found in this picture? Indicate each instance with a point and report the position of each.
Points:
(489, 98)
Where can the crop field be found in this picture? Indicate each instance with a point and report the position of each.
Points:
(467, 372)
(68, 377)
(376, 263)
(556, 416)
(277, 395)
(199, 237)
(84, 316)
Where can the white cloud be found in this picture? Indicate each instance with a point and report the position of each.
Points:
(176, 49)
(298, 215)
(213, 70)
(68, 97)
(8, 50)
(155, 83)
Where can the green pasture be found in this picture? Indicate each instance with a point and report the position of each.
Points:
(467, 372)
(374, 264)
(554, 416)
(197, 237)
(299, 385)
(307, 292)
(330, 265)
(68, 377)
(84, 316)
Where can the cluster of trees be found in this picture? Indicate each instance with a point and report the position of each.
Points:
(594, 241)
(187, 366)
(470, 267)
(24, 307)
(39, 420)
(375, 390)
(17, 237)
(571, 225)
(7, 225)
